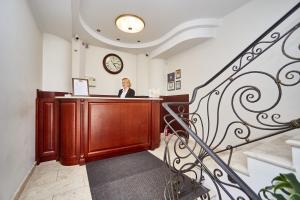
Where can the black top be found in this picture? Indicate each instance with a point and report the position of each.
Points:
(130, 93)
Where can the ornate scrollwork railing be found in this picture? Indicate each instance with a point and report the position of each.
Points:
(241, 109)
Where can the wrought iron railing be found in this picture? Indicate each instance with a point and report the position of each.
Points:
(232, 114)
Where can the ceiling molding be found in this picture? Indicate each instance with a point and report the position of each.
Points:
(196, 24)
(168, 28)
(196, 33)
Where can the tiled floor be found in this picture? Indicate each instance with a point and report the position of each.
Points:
(52, 181)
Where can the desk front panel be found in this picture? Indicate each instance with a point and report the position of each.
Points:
(92, 129)
(116, 126)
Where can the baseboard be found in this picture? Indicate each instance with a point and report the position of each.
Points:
(21, 187)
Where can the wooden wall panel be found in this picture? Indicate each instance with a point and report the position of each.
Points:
(104, 131)
(47, 148)
(155, 124)
(46, 132)
(69, 133)
(48, 128)
(135, 123)
(114, 126)
(163, 112)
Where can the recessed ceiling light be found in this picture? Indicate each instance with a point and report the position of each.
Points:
(98, 30)
(130, 23)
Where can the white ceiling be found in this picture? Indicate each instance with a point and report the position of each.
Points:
(160, 16)
(53, 16)
(167, 21)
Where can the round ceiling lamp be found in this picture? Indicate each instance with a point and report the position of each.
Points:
(130, 23)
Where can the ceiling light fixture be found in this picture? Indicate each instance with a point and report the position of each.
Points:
(130, 23)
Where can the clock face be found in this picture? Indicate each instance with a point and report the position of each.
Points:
(112, 63)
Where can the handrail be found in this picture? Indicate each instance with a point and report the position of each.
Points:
(244, 51)
(283, 127)
(251, 194)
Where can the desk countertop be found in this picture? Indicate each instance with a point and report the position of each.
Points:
(112, 98)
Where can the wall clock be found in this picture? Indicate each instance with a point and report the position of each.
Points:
(112, 63)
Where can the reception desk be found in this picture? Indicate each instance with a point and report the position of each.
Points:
(91, 128)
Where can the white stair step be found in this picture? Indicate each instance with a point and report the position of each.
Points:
(272, 159)
(239, 159)
(276, 152)
(294, 141)
(239, 163)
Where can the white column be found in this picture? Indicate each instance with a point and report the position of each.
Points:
(157, 80)
(142, 74)
(82, 61)
(78, 59)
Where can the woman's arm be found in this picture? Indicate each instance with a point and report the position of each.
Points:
(120, 92)
(130, 93)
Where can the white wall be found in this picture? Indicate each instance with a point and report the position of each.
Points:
(238, 30)
(78, 58)
(76, 52)
(56, 64)
(143, 72)
(142, 78)
(108, 84)
(21, 73)
(157, 78)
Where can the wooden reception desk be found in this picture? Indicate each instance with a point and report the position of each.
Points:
(91, 128)
(75, 130)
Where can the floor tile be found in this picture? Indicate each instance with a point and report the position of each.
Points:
(82, 193)
(52, 178)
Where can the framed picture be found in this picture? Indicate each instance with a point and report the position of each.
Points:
(178, 85)
(171, 85)
(178, 73)
(80, 87)
(171, 77)
(91, 81)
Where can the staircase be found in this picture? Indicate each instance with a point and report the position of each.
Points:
(259, 163)
(242, 129)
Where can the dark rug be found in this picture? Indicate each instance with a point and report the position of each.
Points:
(137, 176)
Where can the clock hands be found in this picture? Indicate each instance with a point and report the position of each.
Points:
(112, 63)
(115, 61)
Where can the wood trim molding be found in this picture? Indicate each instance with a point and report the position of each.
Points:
(46, 133)
(173, 98)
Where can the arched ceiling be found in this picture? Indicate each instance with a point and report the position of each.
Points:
(160, 16)
(168, 23)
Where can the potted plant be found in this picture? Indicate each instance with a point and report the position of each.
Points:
(284, 186)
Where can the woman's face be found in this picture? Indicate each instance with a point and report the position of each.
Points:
(125, 83)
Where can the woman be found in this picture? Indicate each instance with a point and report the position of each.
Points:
(126, 91)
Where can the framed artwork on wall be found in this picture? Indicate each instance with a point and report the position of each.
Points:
(91, 81)
(178, 85)
(178, 73)
(171, 85)
(80, 87)
(171, 77)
